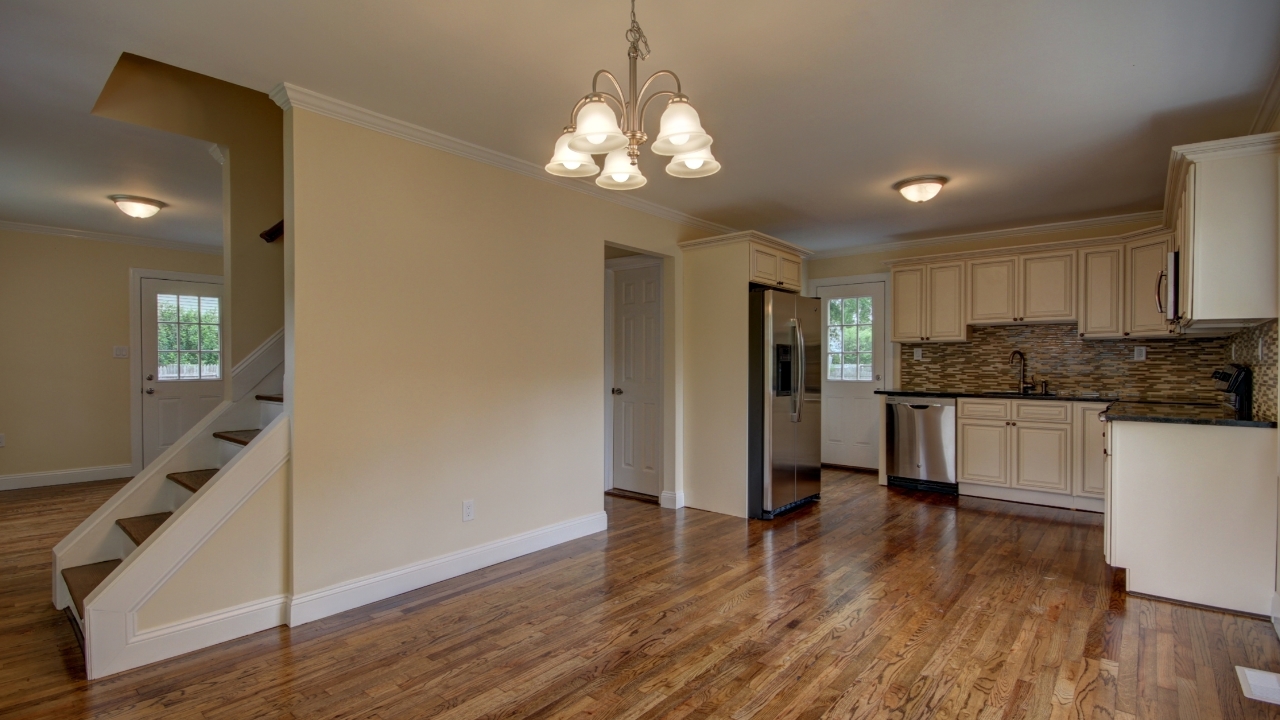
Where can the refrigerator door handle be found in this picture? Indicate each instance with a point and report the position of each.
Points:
(796, 372)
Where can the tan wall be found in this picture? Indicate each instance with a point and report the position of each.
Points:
(717, 328)
(871, 263)
(444, 342)
(245, 560)
(153, 94)
(64, 303)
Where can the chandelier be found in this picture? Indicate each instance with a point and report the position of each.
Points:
(594, 130)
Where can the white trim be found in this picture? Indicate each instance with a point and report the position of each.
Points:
(632, 261)
(317, 604)
(136, 276)
(746, 235)
(607, 420)
(1033, 497)
(1154, 217)
(64, 477)
(891, 349)
(289, 96)
(671, 500)
(611, 266)
(219, 153)
(250, 371)
(111, 237)
(112, 641)
(1058, 245)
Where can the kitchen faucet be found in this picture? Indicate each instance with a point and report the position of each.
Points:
(1022, 370)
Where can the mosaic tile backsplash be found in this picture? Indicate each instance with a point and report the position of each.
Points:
(1174, 369)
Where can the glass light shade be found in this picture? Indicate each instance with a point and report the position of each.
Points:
(680, 130)
(619, 173)
(137, 207)
(920, 189)
(696, 164)
(597, 130)
(567, 163)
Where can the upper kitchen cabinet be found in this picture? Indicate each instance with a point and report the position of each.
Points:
(928, 303)
(773, 266)
(1101, 291)
(1146, 288)
(1222, 204)
(1036, 287)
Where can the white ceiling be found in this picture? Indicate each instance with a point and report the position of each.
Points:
(1039, 110)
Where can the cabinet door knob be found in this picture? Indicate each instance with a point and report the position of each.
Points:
(1014, 424)
(1126, 334)
(779, 282)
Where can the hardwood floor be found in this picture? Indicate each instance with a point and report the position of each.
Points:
(874, 603)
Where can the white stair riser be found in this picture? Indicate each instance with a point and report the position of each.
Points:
(270, 411)
(227, 451)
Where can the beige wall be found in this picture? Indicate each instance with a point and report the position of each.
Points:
(245, 560)
(874, 262)
(64, 303)
(444, 342)
(249, 125)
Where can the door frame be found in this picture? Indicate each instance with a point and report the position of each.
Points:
(610, 319)
(892, 350)
(136, 276)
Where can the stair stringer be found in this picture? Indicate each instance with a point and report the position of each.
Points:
(98, 538)
(113, 640)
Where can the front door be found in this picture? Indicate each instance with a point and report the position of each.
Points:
(182, 359)
(637, 380)
(853, 369)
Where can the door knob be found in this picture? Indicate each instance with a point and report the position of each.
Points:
(151, 391)
(617, 391)
(150, 378)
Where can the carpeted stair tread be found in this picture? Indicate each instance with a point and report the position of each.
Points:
(270, 398)
(193, 480)
(140, 528)
(239, 437)
(83, 579)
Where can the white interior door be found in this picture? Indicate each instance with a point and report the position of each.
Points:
(853, 369)
(637, 380)
(182, 359)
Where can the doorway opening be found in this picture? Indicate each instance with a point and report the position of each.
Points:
(633, 375)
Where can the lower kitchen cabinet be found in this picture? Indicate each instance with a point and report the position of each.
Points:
(1041, 456)
(1090, 450)
(982, 451)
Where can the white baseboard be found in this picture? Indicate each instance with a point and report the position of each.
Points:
(169, 641)
(1032, 497)
(250, 371)
(65, 477)
(332, 600)
(671, 500)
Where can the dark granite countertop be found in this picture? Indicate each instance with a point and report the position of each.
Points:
(1074, 396)
(1179, 413)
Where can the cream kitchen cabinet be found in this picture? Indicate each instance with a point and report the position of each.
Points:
(1090, 452)
(770, 266)
(1030, 450)
(1037, 287)
(928, 303)
(1041, 456)
(1101, 292)
(1223, 212)
(982, 451)
(1146, 275)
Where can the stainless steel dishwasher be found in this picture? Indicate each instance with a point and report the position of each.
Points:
(921, 437)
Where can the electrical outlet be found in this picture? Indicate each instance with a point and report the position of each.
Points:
(918, 353)
(120, 351)
(468, 510)
(1140, 353)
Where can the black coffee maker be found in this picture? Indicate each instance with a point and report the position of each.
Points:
(1237, 382)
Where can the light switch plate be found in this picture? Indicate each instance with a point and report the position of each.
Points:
(120, 351)
(918, 353)
(468, 510)
(1140, 353)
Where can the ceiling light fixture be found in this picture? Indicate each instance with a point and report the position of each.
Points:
(138, 207)
(921, 188)
(594, 130)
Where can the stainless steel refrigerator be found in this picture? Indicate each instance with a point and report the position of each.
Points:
(784, 469)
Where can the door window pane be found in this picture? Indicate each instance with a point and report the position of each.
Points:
(849, 339)
(189, 325)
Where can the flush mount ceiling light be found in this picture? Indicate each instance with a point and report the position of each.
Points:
(138, 207)
(594, 130)
(921, 188)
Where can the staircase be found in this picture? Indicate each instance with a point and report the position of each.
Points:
(141, 515)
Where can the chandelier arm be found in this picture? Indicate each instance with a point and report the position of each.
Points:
(595, 81)
(573, 115)
(654, 76)
(622, 107)
(645, 107)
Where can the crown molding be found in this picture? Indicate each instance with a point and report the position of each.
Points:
(746, 235)
(289, 96)
(1183, 156)
(1154, 217)
(1268, 115)
(111, 237)
(1029, 248)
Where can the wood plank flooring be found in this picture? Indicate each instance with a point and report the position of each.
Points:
(873, 603)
